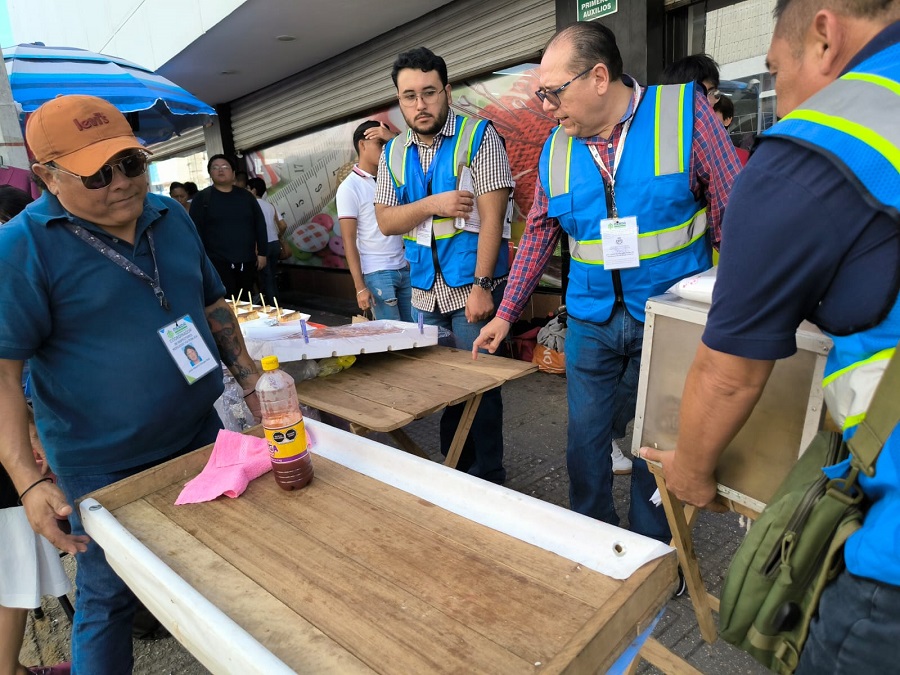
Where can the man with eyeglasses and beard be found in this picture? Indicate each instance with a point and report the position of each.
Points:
(457, 268)
(637, 178)
(103, 285)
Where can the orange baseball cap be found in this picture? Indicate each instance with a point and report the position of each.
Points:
(80, 133)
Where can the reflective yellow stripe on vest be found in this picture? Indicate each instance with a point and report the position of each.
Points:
(650, 244)
(442, 228)
(849, 391)
(872, 123)
(668, 138)
(560, 154)
(465, 138)
(396, 161)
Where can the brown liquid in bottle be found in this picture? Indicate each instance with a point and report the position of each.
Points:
(283, 425)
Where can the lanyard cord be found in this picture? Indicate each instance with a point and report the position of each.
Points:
(610, 174)
(123, 262)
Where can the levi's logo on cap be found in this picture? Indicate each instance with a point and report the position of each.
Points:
(79, 133)
(95, 120)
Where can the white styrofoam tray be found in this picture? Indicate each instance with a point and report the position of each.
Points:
(287, 343)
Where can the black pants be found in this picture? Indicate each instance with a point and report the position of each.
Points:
(239, 278)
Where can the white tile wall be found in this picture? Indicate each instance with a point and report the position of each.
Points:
(740, 31)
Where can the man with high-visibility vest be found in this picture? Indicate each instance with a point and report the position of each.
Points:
(825, 247)
(444, 185)
(637, 177)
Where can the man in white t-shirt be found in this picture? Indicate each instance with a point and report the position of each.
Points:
(377, 263)
(275, 226)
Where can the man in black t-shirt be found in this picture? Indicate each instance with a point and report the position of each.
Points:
(232, 228)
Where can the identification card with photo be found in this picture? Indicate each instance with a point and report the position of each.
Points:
(188, 349)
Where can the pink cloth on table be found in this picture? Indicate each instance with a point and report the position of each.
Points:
(236, 459)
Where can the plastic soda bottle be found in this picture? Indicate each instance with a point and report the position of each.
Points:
(283, 425)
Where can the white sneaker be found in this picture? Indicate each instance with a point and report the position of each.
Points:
(620, 463)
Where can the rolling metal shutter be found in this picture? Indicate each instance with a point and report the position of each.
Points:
(473, 36)
(189, 142)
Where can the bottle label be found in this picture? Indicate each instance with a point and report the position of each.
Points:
(287, 443)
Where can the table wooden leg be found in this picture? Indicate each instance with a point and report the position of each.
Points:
(687, 558)
(406, 443)
(459, 438)
(666, 660)
(402, 438)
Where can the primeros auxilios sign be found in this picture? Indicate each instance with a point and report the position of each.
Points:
(588, 10)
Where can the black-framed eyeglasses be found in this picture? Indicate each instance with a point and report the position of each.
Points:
(408, 98)
(131, 166)
(553, 96)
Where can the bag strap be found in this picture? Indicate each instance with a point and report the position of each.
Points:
(881, 418)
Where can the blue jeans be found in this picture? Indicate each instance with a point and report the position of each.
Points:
(626, 398)
(482, 454)
(855, 631)
(392, 294)
(597, 359)
(104, 605)
(268, 286)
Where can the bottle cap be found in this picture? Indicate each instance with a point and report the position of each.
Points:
(270, 363)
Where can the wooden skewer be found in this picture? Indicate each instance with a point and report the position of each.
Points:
(277, 308)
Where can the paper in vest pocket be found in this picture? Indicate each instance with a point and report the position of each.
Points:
(473, 223)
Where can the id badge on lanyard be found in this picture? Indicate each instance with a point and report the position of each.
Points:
(188, 349)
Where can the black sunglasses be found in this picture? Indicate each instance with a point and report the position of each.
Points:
(131, 166)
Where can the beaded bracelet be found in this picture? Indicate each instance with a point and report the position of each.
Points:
(33, 485)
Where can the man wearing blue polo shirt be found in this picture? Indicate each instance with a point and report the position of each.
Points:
(103, 287)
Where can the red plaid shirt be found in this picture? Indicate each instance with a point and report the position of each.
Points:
(713, 167)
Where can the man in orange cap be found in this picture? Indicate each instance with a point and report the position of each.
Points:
(103, 286)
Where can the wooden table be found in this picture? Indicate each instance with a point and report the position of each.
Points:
(385, 563)
(385, 392)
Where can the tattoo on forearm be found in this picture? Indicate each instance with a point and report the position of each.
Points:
(227, 336)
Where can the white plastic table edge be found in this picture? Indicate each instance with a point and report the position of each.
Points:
(209, 634)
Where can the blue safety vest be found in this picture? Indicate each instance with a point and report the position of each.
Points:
(855, 122)
(653, 183)
(456, 249)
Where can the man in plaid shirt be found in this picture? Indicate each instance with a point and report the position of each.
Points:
(639, 217)
(458, 272)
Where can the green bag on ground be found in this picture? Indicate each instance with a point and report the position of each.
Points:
(796, 546)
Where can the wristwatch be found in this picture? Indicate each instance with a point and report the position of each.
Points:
(484, 282)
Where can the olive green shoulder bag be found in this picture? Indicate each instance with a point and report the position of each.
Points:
(796, 546)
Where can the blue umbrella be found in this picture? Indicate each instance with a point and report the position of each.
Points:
(156, 108)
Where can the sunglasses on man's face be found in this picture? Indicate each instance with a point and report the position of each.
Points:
(131, 166)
